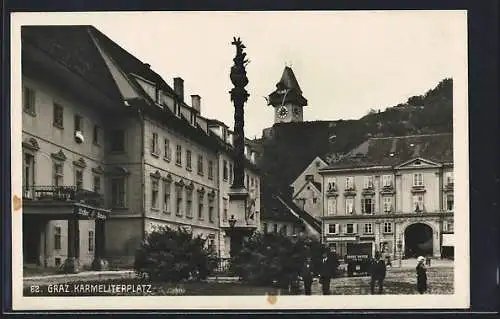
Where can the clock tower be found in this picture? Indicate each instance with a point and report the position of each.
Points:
(287, 99)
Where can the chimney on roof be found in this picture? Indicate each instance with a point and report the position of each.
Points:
(196, 102)
(147, 65)
(179, 87)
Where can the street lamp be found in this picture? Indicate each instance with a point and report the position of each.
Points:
(400, 247)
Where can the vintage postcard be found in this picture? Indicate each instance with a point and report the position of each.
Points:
(266, 160)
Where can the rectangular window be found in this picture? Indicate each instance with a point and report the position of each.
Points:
(118, 192)
(224, 170)
(78, 123)
(350, 228)
(224, 209)
(178, 155)
(332, 228)
(97, 184)
(449, 178)
(189, 203)
(29, 100)
(368, 205)
(166, 197)
(58, 116)
(349, 205)
(117, 141)
(387, 204)
(57, 237)
(200, 207)
(387, 228)
(91, 240)
(79, 179)
(448, 226)
(368, 182)
(210, 169)
(418, 179)
(332, 205)
(188, 160)
(264, 228)
(166, 144)
(29, 172)
(450, 203)
(154, 144)
(200, 165)
(247, 183)
(231, 173)
(349, 183)
(58, 174)
(387, 180)
(211, 210)
(178, 200)
(368, 228)
(275, 228)
(284, 229)
(332, 185)
(418, 203)
(154, 193)
(95, 135)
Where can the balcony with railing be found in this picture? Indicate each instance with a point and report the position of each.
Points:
(62, 194)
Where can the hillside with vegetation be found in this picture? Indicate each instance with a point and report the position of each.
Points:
(287, 148)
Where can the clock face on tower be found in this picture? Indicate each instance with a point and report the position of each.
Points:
(282, 112)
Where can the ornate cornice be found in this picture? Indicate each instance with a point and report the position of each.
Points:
(156, 175)
(31, 143)
(60, 156)
(80, 163)
(98, 170)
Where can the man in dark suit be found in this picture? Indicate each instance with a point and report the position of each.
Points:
(329, 264)
(307, 276)
(377, 273)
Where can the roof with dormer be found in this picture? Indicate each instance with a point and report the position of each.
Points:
(393, 151)
(77, 47)
(287, 90)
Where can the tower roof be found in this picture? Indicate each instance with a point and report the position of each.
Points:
(287, 90)
(288, 80)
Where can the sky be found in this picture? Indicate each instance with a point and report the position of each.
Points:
(345, 62)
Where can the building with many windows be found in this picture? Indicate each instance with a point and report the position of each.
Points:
(111, 151)
(393, 192)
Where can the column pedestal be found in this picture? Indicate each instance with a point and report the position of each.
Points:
(99, 263)
(238, 210)
(72, 263)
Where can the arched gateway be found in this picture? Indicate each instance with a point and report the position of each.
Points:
(418, 240)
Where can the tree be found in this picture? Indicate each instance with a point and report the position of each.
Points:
(172, 256)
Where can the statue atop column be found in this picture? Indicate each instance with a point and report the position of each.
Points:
(239, 96)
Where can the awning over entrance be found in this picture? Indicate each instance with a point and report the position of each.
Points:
(448, 240)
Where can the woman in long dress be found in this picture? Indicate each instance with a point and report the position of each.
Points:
(421, 275)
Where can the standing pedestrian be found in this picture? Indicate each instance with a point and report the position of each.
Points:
(421, 275)
(326, 272)
(377, 274)
(306, 274)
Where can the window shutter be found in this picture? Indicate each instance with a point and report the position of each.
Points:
(326, 228)
(355, 228)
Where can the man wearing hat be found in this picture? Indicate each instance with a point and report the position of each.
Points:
(377, 273)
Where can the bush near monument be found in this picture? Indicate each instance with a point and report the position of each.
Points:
(268, 259)
(172, 256)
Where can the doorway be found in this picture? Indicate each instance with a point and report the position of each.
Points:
(418, 240)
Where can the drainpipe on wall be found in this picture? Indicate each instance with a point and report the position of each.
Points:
(219, 198)
(143, 173)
